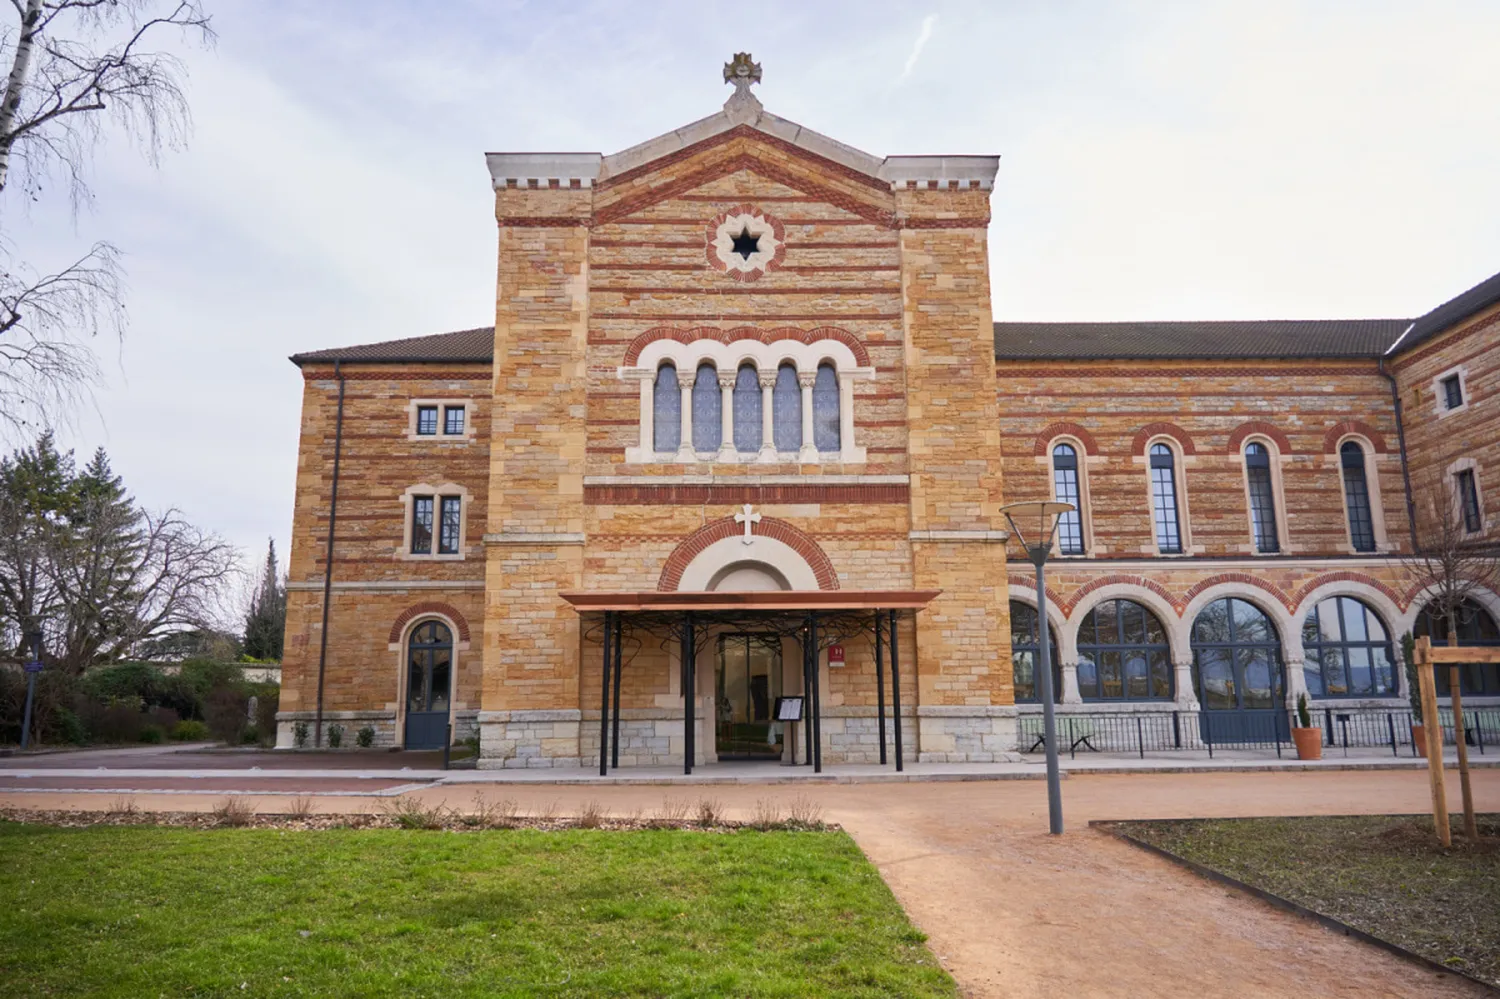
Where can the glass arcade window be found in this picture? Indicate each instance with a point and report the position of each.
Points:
(708, 406)
(1475, 627)
(427, 421)
(1123, 654)
(825, 400)
(747, 423)
(786, 410)
(1164, 500)
(1262, 499)
(1025, 653)
(1236, 657)
(666, 410)
(1065, 482)
(1348, 651)
(1357, 497)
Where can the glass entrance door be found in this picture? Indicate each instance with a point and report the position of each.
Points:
(747, 685)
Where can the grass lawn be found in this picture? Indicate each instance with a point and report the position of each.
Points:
(148, 910)
(1384, 875)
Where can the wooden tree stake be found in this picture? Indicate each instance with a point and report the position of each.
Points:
(1433, 730)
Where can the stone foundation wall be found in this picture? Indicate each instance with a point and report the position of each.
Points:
(967, 735)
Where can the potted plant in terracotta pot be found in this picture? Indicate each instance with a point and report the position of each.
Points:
(1309, 740)
(1413, 692)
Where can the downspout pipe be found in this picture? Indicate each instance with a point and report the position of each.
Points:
(1411, 507)
(333, 516)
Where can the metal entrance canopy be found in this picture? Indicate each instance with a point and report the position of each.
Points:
(816, 619)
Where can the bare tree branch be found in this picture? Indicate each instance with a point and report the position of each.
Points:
(1450, 562)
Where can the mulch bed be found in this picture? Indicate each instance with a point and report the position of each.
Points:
(1382, 875)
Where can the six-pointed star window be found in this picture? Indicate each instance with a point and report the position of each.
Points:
(746, 244)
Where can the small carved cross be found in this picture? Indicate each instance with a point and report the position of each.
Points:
(747, 518)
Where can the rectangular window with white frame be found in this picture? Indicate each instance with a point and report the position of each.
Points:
(439, 419)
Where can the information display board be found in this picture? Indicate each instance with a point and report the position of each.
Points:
(789, 709)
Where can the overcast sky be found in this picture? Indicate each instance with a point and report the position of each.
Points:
(1159, 161)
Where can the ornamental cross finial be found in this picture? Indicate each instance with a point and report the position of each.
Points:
(747, 518)
(742, 71)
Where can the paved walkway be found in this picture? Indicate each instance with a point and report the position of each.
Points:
(1014, 912)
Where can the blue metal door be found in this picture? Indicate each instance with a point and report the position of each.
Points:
(429, 678)
(1237, 670)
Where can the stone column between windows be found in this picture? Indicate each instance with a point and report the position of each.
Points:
(685, 445)
(1296, 682)
(1182, 679)
(726, 416)
(806, 379)
(767, 416)
(1070, 694)
(648, 415)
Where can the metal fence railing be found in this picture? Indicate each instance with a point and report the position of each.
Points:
(1143, 732)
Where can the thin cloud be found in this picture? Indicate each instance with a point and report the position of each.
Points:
(921, 43)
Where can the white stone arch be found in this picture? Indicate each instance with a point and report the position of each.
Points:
(1067, 643)
(1390, 615)
(766, 357)
(777, 557)
(1151, 600)
(1485, 598)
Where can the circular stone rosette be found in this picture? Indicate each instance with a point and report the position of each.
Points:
(732, 233)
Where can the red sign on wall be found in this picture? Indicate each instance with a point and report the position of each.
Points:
(835, 655)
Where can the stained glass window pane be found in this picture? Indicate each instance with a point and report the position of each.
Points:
(421, 525)
(1065, 481)
(826, 409)
(666, 410)
(747, 423)
(786, 410)
(708, 408)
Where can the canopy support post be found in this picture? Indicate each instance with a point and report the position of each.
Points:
(896, 691)
(614, 742)
(689, 692)
(609, 629)
(880, 684)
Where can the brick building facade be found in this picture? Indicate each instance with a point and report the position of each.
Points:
(744, 317)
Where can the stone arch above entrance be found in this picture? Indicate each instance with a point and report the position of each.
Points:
(785, 549)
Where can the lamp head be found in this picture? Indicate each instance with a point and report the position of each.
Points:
(1034, 524)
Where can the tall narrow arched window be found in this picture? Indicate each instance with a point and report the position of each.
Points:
(708, 407)
(825, 399)
(1065, 483)
(1347, 651)
(747, 426)
(1025, 653)
(786, 410)
(1164, 500)
(1357, 497)
(1262, 497)
(666, 410)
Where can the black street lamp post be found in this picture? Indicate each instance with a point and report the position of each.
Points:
(1046, 517)
(33, 667)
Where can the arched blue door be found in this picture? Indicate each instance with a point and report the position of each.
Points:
(1238, 674)
(429, 679)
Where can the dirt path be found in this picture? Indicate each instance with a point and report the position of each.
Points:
(1013, 912)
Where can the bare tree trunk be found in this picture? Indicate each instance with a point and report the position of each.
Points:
(1471, 826)
(16, 81)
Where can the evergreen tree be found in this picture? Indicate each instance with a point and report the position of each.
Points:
(35, 496)
(96, 561)
(265, 624)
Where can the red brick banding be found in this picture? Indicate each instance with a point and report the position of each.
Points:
(1029, 582)
(1250, 429)
(727, 336)
(1244, 579)
(430, 607)
(1346, 576)
(1369, 433)
(1141, 581)
(769, 527)
(1150, 430)
(668, 494)
(1053, 431)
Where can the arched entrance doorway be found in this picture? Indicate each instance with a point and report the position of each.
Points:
(429, 683)
(749, 672)
(1238, 674)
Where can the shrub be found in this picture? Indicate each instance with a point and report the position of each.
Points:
(70, 727)
(335, 736)
(299, 735)
(56, 693)
(112, 721)
(267, 702)
(226, 710)
(152, 734)
(190, 730)
(365, 737)
(250, 736)
(233, 812)
(205, 676)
